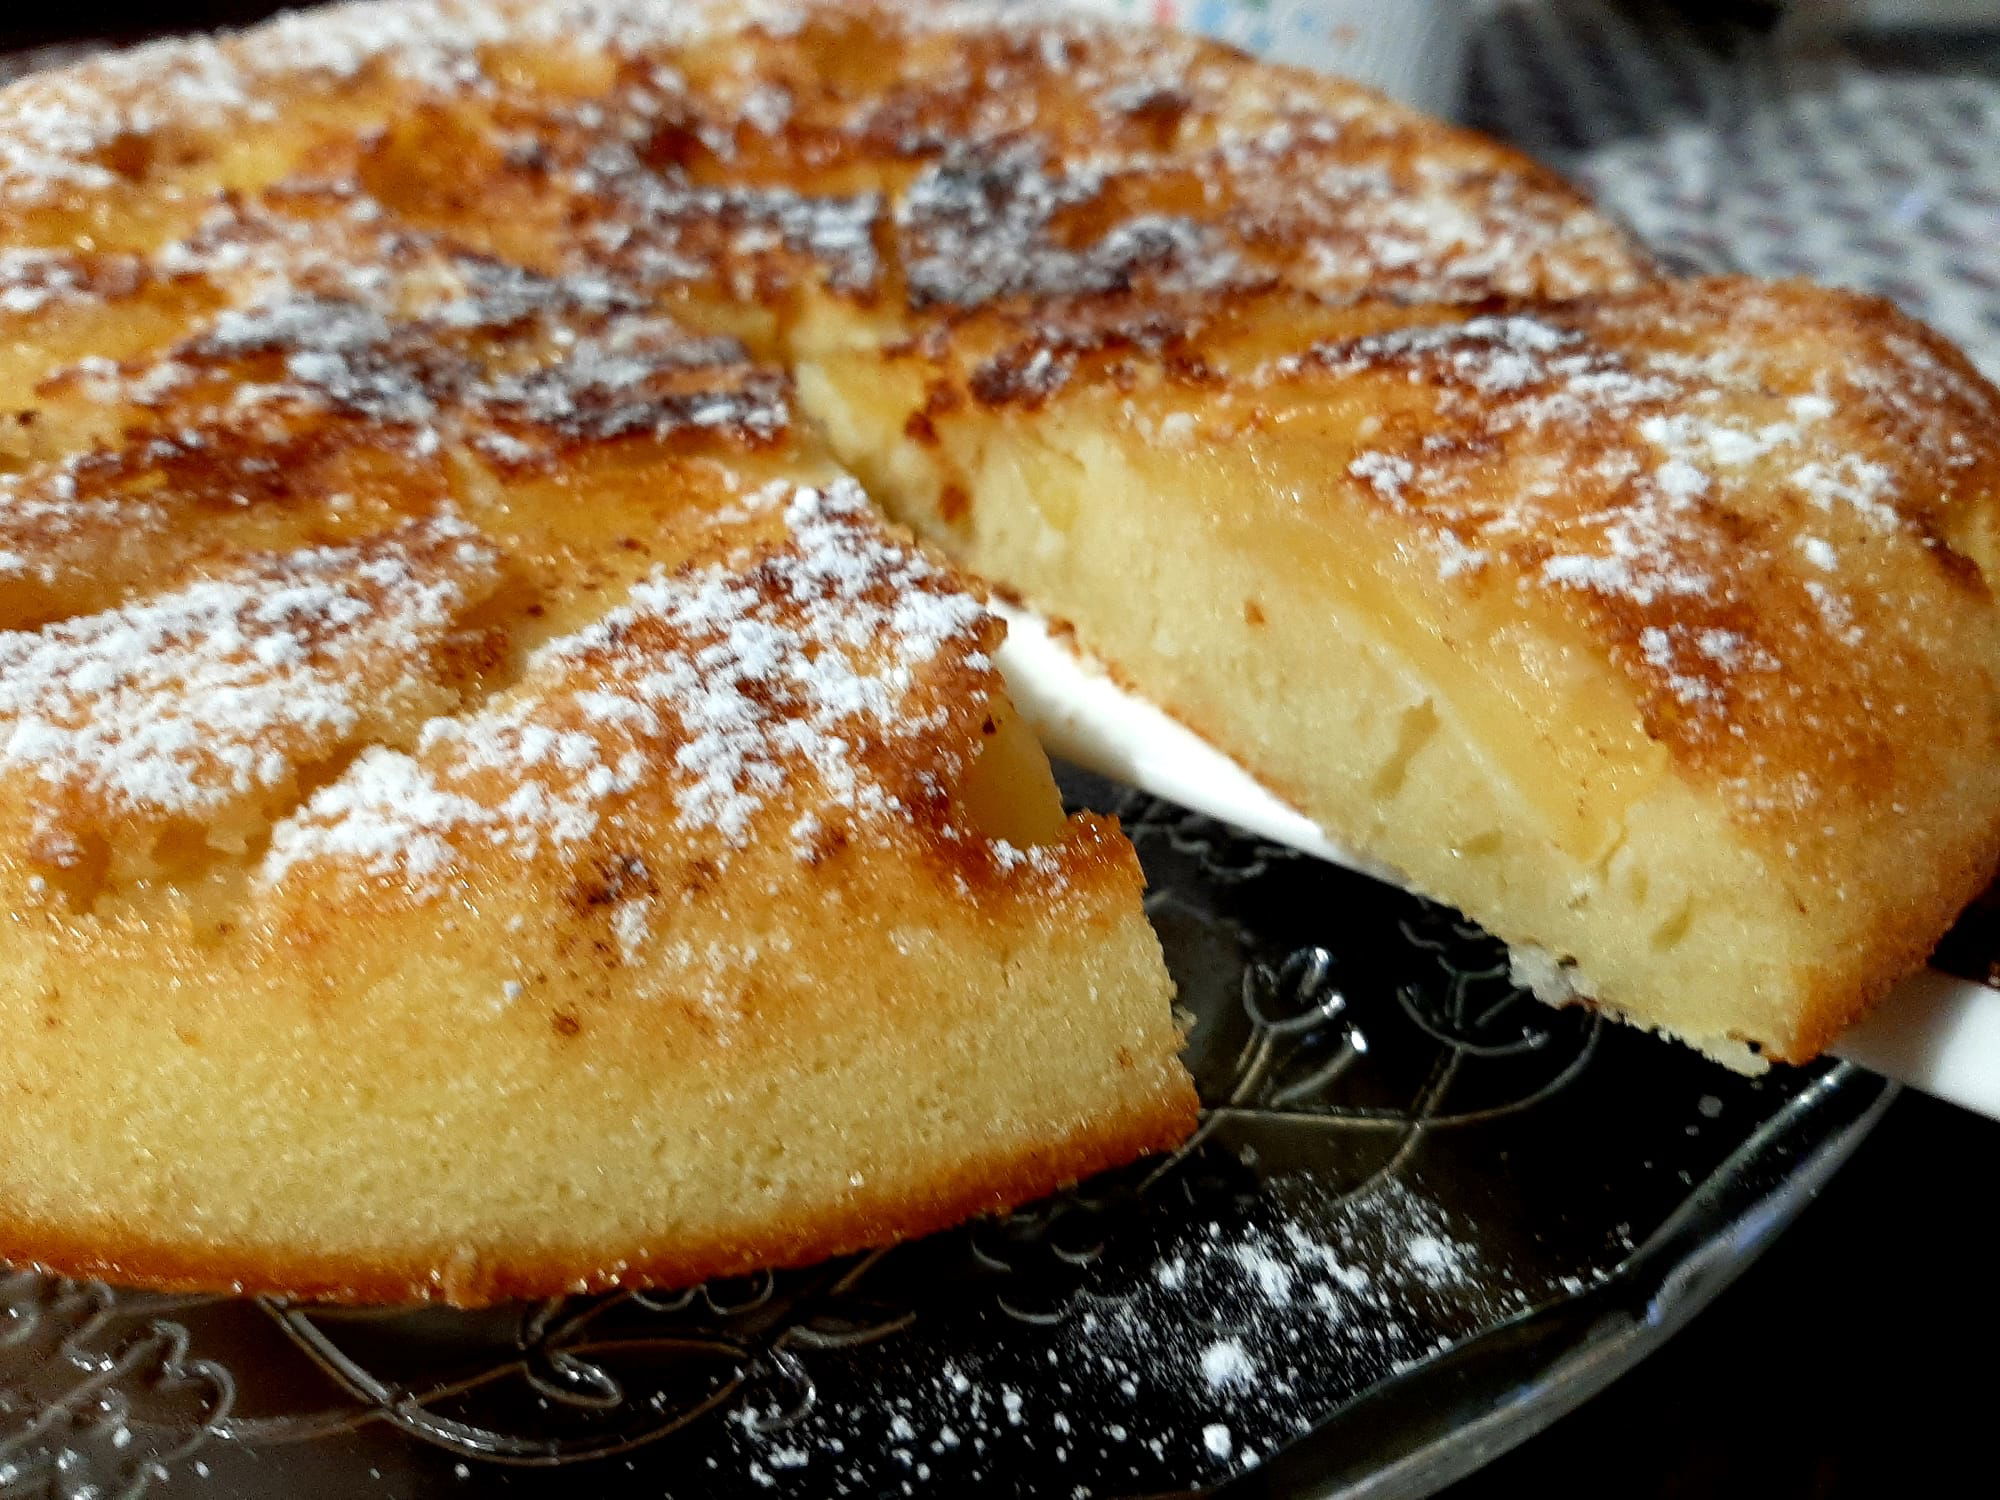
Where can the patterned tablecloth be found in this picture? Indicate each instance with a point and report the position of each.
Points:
(1872, 163)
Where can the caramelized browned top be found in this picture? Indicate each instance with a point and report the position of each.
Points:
(1766, 512)
(955, 153)
(459, 327)
(1769, 505)
(533, 270)
(796, 689)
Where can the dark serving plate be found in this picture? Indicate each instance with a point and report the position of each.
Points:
(1424, 1216)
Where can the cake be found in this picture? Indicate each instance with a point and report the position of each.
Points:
(491, 802)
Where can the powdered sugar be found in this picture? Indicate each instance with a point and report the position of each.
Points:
(1385, 473)
(1645, 554)
(1594, 454)
(1224, 1364)
(56, 127)
(32, 280)
(385, 814)
(1206, 1358)
(993, 212)
(1851, 482)
(1287, 187)
(631, 924)
(661, 229)
(979, 226)
(185, 702)
(1493, 355)
(735, 691)
(584, 359)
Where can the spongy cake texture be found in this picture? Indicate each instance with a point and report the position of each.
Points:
(487, 805)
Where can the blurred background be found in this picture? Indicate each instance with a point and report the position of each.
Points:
(1854, 141)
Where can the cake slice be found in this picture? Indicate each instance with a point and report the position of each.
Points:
(1654, 631)
(743, 929)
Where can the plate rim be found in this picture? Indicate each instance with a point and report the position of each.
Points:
(1716, 1233)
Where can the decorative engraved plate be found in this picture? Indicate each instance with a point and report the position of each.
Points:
(1423, 1213)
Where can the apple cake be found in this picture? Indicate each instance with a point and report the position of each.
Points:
(488, 805)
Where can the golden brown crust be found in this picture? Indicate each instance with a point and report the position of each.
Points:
(1770, 505)
(1027, 154)
(535, 274)
(975, 1186)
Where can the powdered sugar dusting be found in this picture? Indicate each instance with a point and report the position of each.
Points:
(1208, 1361)
(180, 704)
(32, 280)
(737, 690)
(980, 226)
(56, 127)
(1224, 1364)
(1627, 458)
(413, 333)
(1314, 184)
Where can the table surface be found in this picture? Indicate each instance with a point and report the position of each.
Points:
(1851, 1360)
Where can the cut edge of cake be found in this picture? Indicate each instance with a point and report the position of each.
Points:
(1615, 730)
